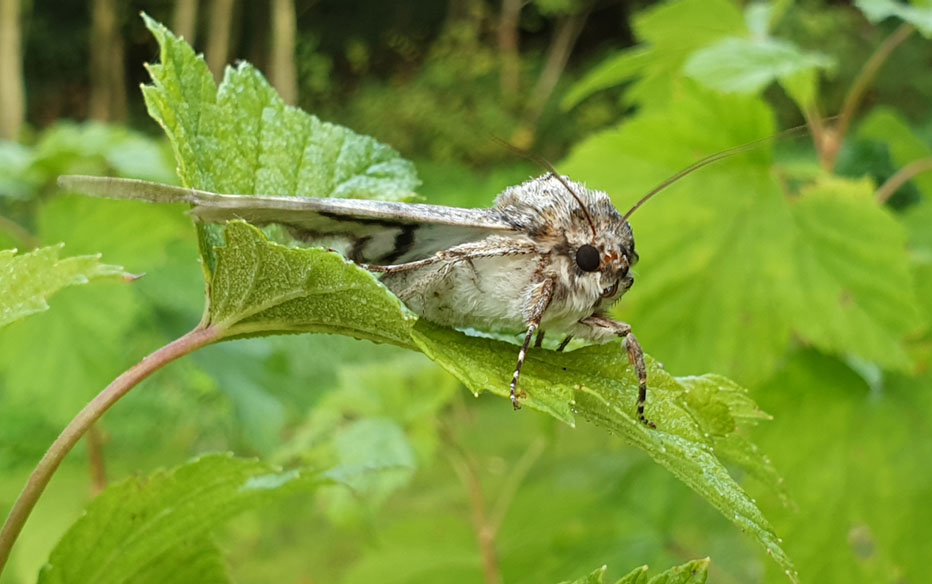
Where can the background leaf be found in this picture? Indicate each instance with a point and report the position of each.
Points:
(29, 279)
(714, 249)
(664, 52)
(136, 524)
(588, 380)
(918, 15)
(749, 65)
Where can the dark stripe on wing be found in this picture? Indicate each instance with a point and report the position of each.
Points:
(404, 241)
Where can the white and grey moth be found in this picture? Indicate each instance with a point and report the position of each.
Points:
(549, 255)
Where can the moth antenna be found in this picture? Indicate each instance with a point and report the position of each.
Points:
(712, 158)
(541, 161)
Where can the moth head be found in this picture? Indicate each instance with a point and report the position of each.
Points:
(605, 261)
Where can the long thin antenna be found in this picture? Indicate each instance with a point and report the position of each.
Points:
(553, 172)
(710, 160)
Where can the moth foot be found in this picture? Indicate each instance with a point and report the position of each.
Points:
(646, 422)
(516, 397)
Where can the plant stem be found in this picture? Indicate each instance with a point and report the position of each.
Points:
(465, 469)
(856, 93)
(95, 456)
(901, 177)
(79, 425)
(508, 491)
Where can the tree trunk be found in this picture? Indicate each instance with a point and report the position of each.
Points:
(218, 36)
(184, 20)
(12, 91)
(108, 79)
(509, 75)
(284, 72)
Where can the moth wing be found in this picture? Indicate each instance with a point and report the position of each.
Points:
(374, 232)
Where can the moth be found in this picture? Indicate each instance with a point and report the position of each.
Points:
(549, 255)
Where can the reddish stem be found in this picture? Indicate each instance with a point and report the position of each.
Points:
(40, 477)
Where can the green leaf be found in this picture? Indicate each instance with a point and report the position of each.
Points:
(742, 65)
(918, 222)
(597, 383)
(730, 265)
(659, 62)
(138, 523)
(29, 279)
(596, 577)
(242, 138)
(694, 572)
(264, 288)
(855, 458)
(91, 325)
(256, 287)
(373, 459)
(94, 147)
(878, 10)
(197, 561)
(851, 274)
(710, 246)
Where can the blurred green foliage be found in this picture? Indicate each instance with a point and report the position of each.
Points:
(764, 267)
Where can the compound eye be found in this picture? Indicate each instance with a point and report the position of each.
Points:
(587, 258)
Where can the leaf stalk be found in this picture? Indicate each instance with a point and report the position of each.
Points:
(82, 422)
(829, 149)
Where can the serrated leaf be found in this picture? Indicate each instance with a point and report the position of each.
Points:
(241, 138)
(724, 247)
(261, 287)
(710, 246)
(659, 62)
(29, 279)
(256, 287)
(742, 65)
(878, 10)
(136, 523)
(694, 572)
(596, 577)
(851, 274)
(597, 383)
(635, 576)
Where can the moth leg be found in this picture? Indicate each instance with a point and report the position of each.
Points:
(566, 341)
(601, 325)
(540, 300)
(539, 341)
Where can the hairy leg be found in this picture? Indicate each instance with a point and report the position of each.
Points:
(539, 301)
(599, 328)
